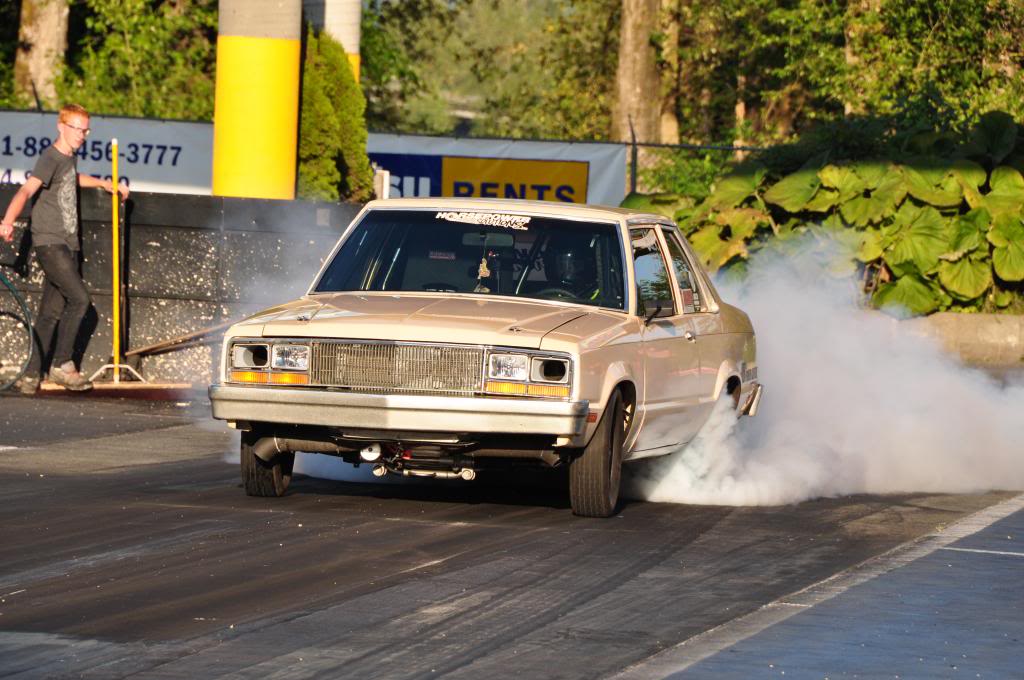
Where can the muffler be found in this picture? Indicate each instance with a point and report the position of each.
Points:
(468, 474)
(750, 408)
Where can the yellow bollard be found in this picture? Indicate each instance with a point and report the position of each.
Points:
(116, 278)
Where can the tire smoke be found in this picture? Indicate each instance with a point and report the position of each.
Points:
(854, 402)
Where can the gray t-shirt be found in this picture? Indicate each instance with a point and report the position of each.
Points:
(55, 214)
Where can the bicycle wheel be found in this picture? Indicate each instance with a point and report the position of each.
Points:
(16, 344)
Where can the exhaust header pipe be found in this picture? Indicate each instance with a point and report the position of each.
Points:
(266, 448)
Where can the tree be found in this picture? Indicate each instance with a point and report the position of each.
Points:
(580, 56)
(42, 41)
(512, 69)
(637, 106)
(319, 131)
(145, 58)
(332, 135)
(408, 65)
(9, 14)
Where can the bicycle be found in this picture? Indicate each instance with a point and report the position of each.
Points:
(16, 333)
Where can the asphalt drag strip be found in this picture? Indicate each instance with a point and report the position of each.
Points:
(131, 551)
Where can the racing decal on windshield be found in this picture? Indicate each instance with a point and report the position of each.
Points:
(518, 222)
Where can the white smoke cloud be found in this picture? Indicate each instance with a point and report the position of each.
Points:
(854, 402)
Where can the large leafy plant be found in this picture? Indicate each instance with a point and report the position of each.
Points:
(934, 225)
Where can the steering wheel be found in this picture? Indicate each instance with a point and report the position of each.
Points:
(557, 293)
(439, 287)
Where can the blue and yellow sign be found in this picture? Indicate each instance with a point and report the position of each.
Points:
(542, 180)
(538, 180)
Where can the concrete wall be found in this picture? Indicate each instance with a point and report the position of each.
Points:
(982, 339)
(191, 262)
(198, 261)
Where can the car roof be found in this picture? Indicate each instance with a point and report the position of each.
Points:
(552, 208)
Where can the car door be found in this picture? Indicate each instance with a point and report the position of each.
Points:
(700, 307)
(671, 391)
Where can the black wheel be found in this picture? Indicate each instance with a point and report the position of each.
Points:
(261, 478)
(16, 344)
(595, 475)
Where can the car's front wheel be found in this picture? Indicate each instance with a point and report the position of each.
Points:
(262, 478)
(596, 474)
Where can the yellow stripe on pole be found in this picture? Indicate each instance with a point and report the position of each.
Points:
(353, 59)
(256, 117)
(115, 199)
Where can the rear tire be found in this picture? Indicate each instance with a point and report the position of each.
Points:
(596, 474)
(261, 478)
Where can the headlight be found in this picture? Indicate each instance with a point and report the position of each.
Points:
(290, 357)
(508, 367)
(529, 374)
(549, 370)
(249, 355)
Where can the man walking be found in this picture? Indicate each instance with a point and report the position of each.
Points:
(55, 238)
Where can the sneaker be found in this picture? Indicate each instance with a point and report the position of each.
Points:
(27, 385)
(69, 379)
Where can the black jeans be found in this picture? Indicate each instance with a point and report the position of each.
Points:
(63, 306)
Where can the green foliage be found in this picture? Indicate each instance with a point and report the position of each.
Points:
(332, 135)
(144, 58)
(929, 231)
(933, 63)
(513, 69)
(689, 172)
(8, 44)
(319, 130)
(952, 52)
(408, 67)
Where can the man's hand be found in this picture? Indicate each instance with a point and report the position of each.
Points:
(88, 182)
(121, 189)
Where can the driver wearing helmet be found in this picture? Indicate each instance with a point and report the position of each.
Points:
(569, 264)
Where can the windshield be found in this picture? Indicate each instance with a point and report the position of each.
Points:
(480, 253)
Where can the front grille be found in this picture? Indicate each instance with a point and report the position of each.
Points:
(397, 368)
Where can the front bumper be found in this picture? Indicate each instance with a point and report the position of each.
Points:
(305, 406)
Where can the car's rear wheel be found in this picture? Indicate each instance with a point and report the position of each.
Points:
(596, 474)
(262, 478)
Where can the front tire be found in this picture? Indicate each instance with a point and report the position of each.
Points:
(596, 474)
(261, 478)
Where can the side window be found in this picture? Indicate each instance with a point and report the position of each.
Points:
(689, 293)
(652, 280)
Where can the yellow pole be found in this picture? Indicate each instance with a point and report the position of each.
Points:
(256, 101)
(341, 20)
(116, 278)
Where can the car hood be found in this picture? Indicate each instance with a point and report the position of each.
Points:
(418, 318)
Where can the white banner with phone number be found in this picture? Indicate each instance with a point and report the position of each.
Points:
(153, 155)
(177, 157)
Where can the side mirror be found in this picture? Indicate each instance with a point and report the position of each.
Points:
(662, 309)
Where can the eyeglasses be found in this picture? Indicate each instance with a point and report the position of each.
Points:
(85, 131)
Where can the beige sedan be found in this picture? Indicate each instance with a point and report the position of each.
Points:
(447, 336)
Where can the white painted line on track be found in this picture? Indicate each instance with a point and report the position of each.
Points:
(711, 642)
(986, 552)
(8, 448)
